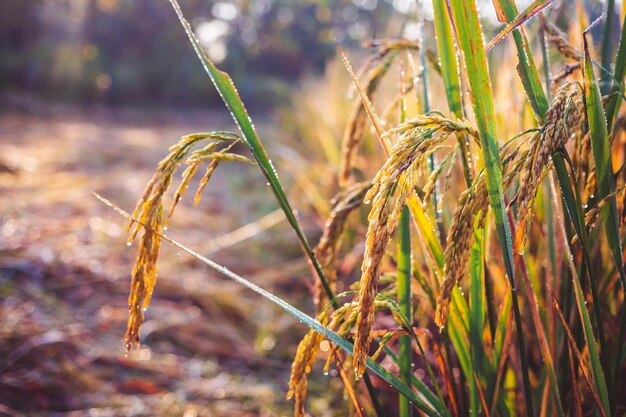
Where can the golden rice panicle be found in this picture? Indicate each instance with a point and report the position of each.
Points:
(472, 202)
(306, 354)
(392, 185)
(204, 181)
(561, 120)
(149, 213)
(326, 250)
(161, 180)
(356, 123)
(459, 242)
(558, 39)
(144, 276)
(301, 367)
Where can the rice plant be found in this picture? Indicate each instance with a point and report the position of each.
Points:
(506, 287)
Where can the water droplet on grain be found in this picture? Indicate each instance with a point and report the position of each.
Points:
(129, 243)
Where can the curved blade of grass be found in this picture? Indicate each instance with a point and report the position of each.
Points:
(617, 88)
(596, 366)
(404, 282)
(606, 52)
(477, 316)
(426, 401)
(606, 186)
(470, 39)
(526, 68)
(532, 9)
(404, 299)
(581, 362)
(449, 71)
(229, 94)
(602, 157)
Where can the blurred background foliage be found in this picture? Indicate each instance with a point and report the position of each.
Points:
(133, 51)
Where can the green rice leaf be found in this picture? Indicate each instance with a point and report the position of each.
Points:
(532, 9)
(596, 366)
(617, 88)
(602, 157)
(425, 400)
(470, 40)
(449, 71)
(224, 85)
(477, 314)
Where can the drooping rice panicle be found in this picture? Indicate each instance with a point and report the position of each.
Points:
(431, 182)
(561, 119)
(343, 321)
(326, 250)
(434, 120)
(144, 275)
(301, 367)
(592, 215)
(393, 184)
(473, 202)
(149, 211)
(358, 117)
(559, 40)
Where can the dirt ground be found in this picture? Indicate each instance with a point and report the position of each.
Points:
(210, 348)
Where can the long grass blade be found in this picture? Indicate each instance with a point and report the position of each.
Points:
(617, 88)
(477, 316)
(532, 9)
(606, 189)
(591, 345)
(426, 401)
(470, 39)
(229, 94)
(607, 47)
(602, 157)
(404, 283)
(449, 71)
(404, 299)
(526, 68)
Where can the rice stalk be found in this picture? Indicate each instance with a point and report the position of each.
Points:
(149, 211)
(341, 320)
(391, 188)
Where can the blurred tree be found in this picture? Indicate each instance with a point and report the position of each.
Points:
(134, 52)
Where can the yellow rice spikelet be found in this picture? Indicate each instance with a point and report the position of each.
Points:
(561, 120)
(392, 186)
(472, 202)
(326, 250)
